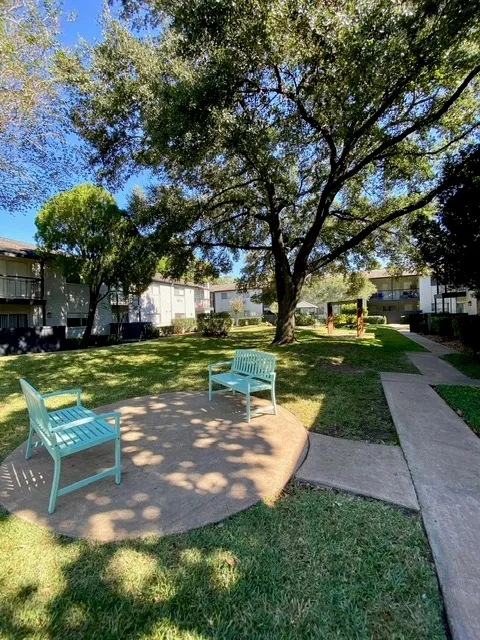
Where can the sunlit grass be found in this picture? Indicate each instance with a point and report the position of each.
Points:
(311, 564)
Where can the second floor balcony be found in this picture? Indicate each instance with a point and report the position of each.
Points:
(20, 288)
(396, 294)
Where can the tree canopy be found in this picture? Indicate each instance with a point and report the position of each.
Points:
(300, 131)
(338, 288)
(87, 234)
(33, 123)
(449, 243)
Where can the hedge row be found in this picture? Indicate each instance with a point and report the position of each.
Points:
(246, 322)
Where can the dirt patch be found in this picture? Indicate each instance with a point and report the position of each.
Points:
(337, 365)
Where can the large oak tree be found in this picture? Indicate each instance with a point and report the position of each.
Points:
(298, 130)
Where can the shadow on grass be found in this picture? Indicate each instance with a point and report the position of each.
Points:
(265, 573)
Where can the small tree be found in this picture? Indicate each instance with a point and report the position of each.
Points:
(338, 288)
(89, 236)
(237, 305)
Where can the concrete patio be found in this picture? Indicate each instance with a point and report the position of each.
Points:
(186, 462)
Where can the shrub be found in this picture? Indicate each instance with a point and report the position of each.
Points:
(165, 331)
(304, 319)
(350, 309)
(376, 320)
(245, 322)
(217, 324)
(183, 325)
(201, 320)
(468, 330)
(403, 319)
(345, 319)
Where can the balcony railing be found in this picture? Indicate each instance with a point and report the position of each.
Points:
(20, 287)
(397, 294)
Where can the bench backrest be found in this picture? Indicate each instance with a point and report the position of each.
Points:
(256, 364)
(38, 414)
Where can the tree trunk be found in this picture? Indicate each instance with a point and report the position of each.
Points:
(360, 324)
(287, 295)
(92, 307)
(330, 324)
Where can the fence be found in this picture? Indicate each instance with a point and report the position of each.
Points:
(31, 340)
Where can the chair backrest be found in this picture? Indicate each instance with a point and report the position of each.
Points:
(38, 414)
(256, 364)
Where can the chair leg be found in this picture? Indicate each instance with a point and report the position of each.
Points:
(210, 387)
(28, 451)
(56, 480)
(247, 398)
(118, 462)
(274, 401)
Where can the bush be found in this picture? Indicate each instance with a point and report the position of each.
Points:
(216, 324)
(165, 331)
(345, 319)
(403, 319)
(183, 325)
(468, 330)
(304, 319)
(245, 322)
(350, 309)
(376, 320)
(69, 344)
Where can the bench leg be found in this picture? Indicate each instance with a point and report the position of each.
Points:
(56, 480)
(118, 462)
(274, 401)
(28, 451)
(210, 387)
(247, 398)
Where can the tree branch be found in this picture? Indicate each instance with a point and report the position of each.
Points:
(373, 226)
(423, 122)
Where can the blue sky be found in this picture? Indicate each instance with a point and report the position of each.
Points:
(21, 225)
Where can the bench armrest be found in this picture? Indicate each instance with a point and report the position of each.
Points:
(80, 421)
(66, 392)
(219, 364)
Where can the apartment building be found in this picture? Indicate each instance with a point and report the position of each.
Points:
(34, 292)
(407, 293)
(222, 294)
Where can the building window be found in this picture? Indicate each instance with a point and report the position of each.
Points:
(179, 315)
(178, 291)
(76, 320)
(249, 314)
(224, 296)
(13, 320)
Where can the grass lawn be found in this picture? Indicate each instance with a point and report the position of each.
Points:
(332, 385)
(463, 399)
(465, 363)
(315, 564)
(312, 564)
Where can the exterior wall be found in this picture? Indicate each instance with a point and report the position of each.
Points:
(160, 304)
(64, 298)
(252, 309)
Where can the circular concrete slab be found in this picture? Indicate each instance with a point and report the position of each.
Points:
(186, 462)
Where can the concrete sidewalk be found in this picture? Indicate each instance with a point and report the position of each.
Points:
(371, 470)
(432, 346)
(443, 456)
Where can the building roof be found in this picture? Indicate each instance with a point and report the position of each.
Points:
(303, 304)
(16, 249)
(158, 277)
(227, 286)
(385, 273)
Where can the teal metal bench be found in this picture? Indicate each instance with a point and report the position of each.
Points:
(68, 431)
(250, 371)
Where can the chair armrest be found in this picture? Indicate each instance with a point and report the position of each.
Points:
(219, 364)
(80, 421)
(77, 392)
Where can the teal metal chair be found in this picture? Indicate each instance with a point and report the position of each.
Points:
(69, 431)
(250, 371)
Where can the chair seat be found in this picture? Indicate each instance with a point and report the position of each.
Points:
(238, 382)
(84, 436)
